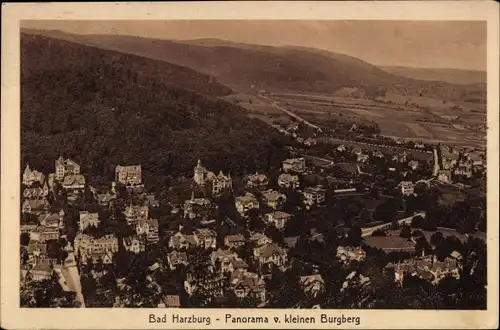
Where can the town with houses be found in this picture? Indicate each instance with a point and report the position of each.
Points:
(305, 236)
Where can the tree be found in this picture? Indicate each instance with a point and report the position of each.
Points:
(374, 193)
(437, 239)
(274, 234)
(254, 220)
(289, 293)
(379, 232)
(422, 246)
(417, 221)
(405, 232)
(45, 292)
(354, 236)
(386, 212)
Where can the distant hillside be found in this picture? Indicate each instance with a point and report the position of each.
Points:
(279, 69)
(453, 76)
(103, 108)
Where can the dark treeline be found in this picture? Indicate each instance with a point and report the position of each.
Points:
(103, 108)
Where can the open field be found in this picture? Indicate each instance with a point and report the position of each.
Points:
(438, 125)
(418, 130)
(423, 119)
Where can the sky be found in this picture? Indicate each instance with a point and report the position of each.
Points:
(421, 44)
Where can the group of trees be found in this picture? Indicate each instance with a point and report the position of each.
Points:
(93, 112)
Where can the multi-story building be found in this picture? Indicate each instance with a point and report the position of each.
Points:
(260, 239)
(74, 182)
(257, 180)
(428, 268)
(36, 252)
(218, 183)
(149, 228)
(270, 253)
(273, 199)
(134, 213)
(220, 255)
(86, 245)
(134, 244)
(43, 234)
(28, 228)
(212, 285)
(52, 220)
(234, 241)
(228, 261)
(35, 193)
(347, 254)
(129, 175)
(247, 284)
(66, 167)
(32, 176)
(176, 258)
(407, 188)
(35, 206)
(444, 176)
(314, 196)
(42, 270)
(245, 203)
(88, 219)
(277, 219)
(297, 165)
(205, 238)
(287, 180)
(463, 170)
(198, 208)
(312, 284)
(181, 241)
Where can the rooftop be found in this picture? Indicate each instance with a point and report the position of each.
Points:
(389, 242)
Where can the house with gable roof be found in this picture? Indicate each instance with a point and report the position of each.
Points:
(42, 270)
(312, 284)
(218, 183)
(134, 244)
(181, 241)
(234, 241)
(278, 219)
(32, 176)
(74, 182)
(273, 199)
(129, 175)
(176, 258)
(88, 219)
(270, 253)
(205, 238)
(247, 284)
(150, 228)
(257, 180)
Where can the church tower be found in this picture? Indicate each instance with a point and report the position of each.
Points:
(60, 168)
(199, 174)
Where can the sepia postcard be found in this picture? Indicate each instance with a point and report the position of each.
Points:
(250, 165)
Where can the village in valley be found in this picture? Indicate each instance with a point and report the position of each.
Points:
(337, 226)
(205, 164)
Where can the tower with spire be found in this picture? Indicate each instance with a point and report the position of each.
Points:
(60, 168)
(200, 174)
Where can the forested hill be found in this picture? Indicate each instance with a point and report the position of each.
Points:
(103, 108)
(276, 69)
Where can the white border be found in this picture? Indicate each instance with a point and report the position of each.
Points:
(13, 317)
